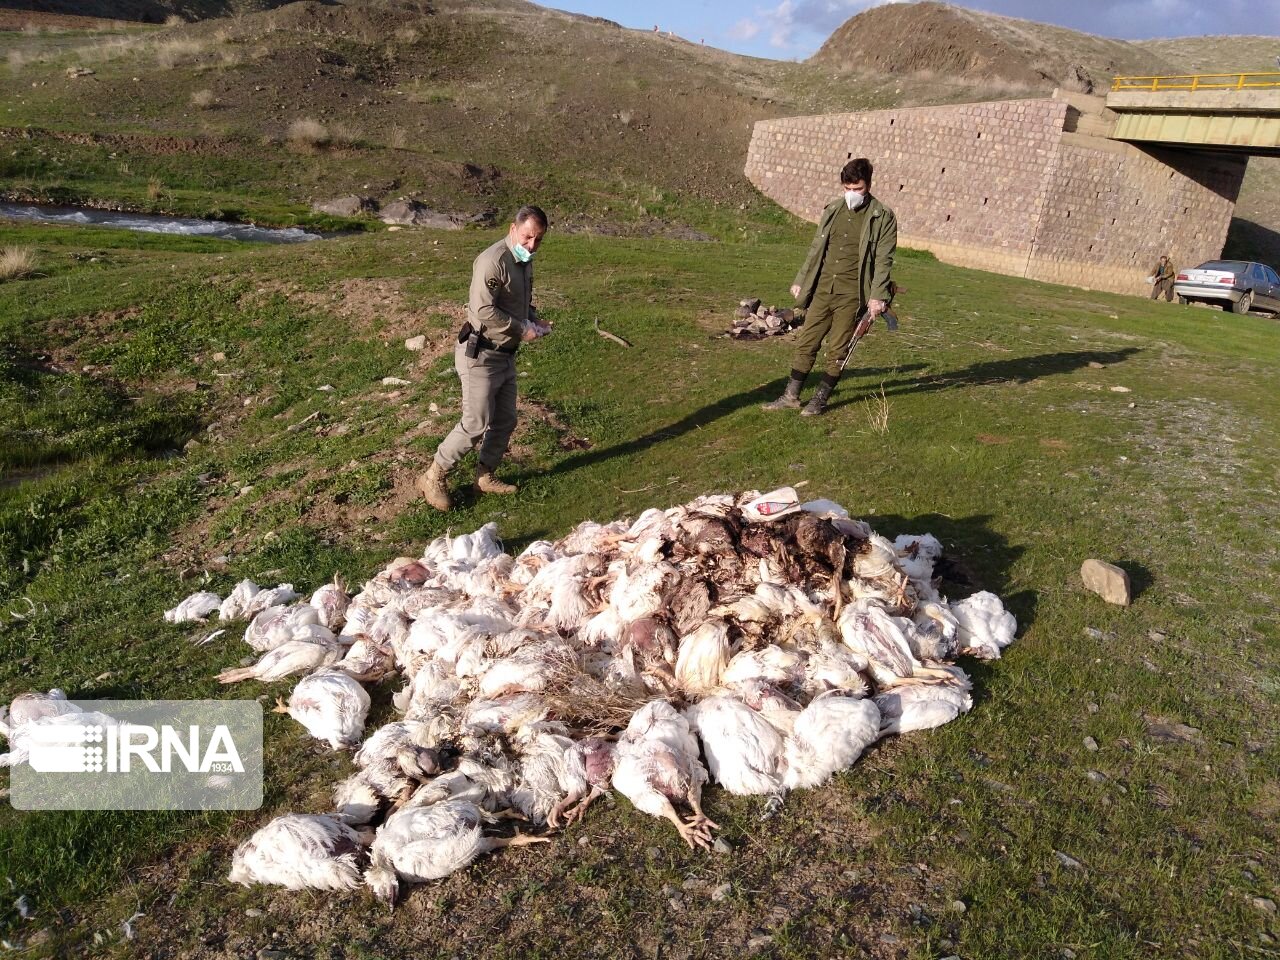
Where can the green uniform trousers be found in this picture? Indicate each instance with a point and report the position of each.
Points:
(488, 408)
(833, 317)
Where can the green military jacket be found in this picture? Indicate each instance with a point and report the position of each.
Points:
(501, 300)
(879, 243)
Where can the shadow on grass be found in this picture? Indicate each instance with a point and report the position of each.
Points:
(1140, 579)
(1015, 370)
(699, 418)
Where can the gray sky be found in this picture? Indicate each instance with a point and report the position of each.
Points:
(790, 29)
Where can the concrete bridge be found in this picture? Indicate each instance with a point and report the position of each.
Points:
(1238, 112)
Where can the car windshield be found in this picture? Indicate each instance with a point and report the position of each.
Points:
(1229, 266)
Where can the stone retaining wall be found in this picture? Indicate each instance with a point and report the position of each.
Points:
(999, 186)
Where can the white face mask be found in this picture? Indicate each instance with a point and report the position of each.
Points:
(855, 198)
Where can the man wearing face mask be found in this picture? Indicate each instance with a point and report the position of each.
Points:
(847, 269)
(500, 316)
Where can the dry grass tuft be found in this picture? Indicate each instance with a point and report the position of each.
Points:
(878, 412)
(203, 99)
(16, 263)
(588, 704)
(398, 138)
(154, 188)
(173, 53)
(308, 134)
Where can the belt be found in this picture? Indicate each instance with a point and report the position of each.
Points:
(485, 343)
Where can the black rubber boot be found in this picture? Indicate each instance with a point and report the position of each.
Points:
(790, 399)
(817, 405)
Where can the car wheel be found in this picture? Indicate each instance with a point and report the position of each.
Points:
(1183, 300)
(1244, 303)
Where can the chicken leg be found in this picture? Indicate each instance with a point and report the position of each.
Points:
(700, 819)
(518, 840)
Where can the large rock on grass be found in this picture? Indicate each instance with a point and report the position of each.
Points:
(346, 206)
(410, 213)
(1107, 580)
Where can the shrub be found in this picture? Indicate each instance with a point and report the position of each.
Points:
(16, 263)
(154, 188)
(203, 99)
(309, 134)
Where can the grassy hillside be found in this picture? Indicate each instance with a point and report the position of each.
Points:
(1225, 54)
(131, 454)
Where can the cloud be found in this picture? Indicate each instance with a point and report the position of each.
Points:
(744, 30)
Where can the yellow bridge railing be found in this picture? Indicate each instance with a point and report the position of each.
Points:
(1201, 81)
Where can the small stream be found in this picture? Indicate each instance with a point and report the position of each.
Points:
(153, 223)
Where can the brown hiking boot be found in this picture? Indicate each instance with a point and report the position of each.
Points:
(432, 487)
(790, 399)
(486, 482)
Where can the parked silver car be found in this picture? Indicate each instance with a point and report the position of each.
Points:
(1237, 285)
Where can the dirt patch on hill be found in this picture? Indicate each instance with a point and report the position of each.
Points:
(380, 306)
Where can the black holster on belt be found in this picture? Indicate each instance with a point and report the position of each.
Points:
(474, 340)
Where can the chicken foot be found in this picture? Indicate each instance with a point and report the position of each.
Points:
(571, 808)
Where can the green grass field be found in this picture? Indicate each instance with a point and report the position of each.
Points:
(160, 419)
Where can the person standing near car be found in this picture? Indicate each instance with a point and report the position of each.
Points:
(844, 284)
(500, 316)
(1162, 279)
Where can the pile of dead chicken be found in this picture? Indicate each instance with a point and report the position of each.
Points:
(701, 642)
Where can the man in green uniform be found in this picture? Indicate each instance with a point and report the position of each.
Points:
(1162, 279)
(847, 269)
(500, 316)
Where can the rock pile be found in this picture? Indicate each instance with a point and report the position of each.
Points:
(754, 321)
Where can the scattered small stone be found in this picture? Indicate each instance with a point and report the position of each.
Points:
(244, 490)
(1264, 905)
(1094, 365)
(254, 912)
(675, 903)
(957, 906)
(1151, 667)
(268, 954)
(756, 944)
(1066, 953)
(1132, 404)
(1171, 732)
(394, 382)
(669, 891)
(103, 677)
(219, 357)
(1155, 636)
(1121, 390)
(1093, 708)
(652, 853)
(416, 343)
(722, 846)
(889, 939)
(1068, 861)
(1107, 581)
(721, 892)
(74, 72)
(583, 841)
(1090, 744)
(325, 388)
(433, 407)
(1093, 633)
(1097, 776)
(1159, 796)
